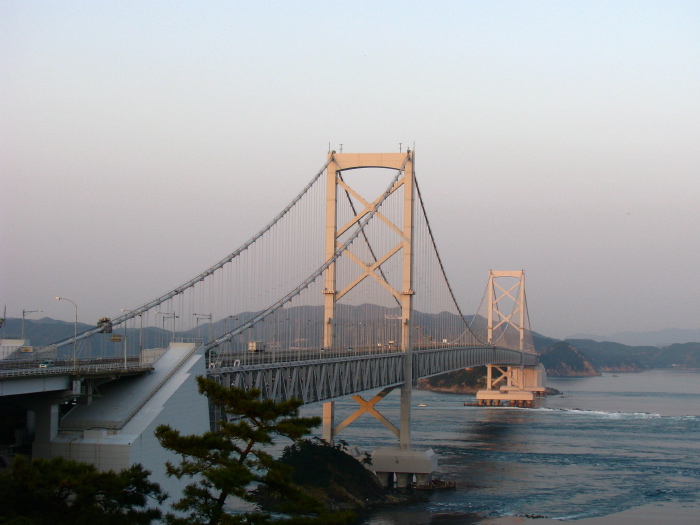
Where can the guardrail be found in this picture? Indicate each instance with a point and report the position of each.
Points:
(84, 369)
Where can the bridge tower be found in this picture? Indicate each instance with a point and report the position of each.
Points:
(521, 382)
(496, 293)
(402, 461)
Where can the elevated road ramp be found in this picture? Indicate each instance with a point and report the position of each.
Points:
(116, 430)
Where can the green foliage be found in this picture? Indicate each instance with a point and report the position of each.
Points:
(616, 355)
(474, 377)
(685, 355)
(231, 461)
(562, 353)
(316, 463)
(59, 491)
(564, 359)
(622, 357)
(542, 342)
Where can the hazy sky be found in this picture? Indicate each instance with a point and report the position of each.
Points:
(143, 141)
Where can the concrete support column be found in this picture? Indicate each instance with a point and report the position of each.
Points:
(328, 422)
(403, 479)
(424, 479)
(31, 425)
(385, 478)
(405, 413)
(46, 427)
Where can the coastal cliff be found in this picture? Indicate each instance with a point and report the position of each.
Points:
(564, 360)
(466, 381)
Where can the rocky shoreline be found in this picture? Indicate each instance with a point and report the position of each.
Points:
(467, 390)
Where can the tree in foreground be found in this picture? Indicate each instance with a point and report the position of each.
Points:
(232, 461)
(57, 491)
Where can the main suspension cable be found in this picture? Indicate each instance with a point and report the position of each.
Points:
(148, 306)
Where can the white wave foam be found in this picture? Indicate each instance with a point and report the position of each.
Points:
(640, 415)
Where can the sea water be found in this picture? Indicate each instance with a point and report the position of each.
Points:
(621, 448)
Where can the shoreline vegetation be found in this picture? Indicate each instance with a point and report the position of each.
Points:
(466, 382)
(576, 358)
(339, 480)
(312, 483)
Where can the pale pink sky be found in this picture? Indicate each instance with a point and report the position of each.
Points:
(556, 137)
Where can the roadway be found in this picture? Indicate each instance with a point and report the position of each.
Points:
(83, 367)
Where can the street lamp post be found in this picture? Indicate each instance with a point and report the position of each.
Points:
(75, 331)
(207, 355)
(140, 331)
(173, 318)
(25, 312)
(169, 315)
(162, 335)
(202, 316)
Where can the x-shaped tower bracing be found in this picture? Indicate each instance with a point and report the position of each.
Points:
(521, 381)
(498, 319)
(496, 293)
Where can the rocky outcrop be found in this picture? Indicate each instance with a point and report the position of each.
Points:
(423, 384)
(333, 476)
(565, 360)
(466, 381)
(631, 367)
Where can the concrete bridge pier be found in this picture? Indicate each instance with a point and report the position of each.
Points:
(404, 463)
(522, 384)
(46, 427)
(385, 478)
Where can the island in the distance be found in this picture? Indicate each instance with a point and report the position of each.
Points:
(577, 358)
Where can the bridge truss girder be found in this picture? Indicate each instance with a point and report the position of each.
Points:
(315, 381)
(326, 380)
(428, 363)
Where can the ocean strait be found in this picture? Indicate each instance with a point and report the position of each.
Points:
(612, 449)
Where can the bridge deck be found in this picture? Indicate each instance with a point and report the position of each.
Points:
(317, 380)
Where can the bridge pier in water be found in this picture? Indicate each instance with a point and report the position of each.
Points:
(523, 384)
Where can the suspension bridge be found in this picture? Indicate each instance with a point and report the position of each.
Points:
(343, 292)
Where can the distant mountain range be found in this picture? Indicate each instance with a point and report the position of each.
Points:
(660, 338)
(573, 357)
(585, 357)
